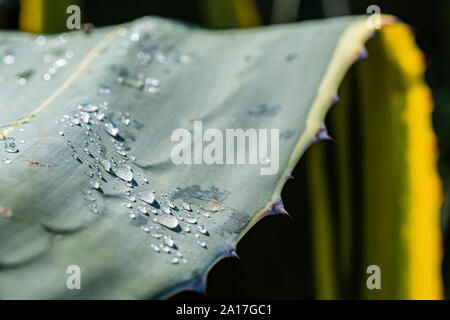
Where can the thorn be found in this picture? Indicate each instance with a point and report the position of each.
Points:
(289, 176)
(362, 54)
(232, 252)
(278, 207)
(199, 284)
(322, 134)
(335, 98)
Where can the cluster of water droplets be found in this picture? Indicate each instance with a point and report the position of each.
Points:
(10, 146)
(57, 59)
(107, 155)
(100, 139)
(153, 212)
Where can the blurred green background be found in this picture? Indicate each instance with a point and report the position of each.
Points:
(276, 255)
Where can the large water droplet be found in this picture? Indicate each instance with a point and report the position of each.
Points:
(111, 129)
(95, 184)
(202, 229)
(186, 206)
(167, 221)
(124, 173)
(10, 145)
(147, 196)
(106, 164)
(190, 219)
(88, 107)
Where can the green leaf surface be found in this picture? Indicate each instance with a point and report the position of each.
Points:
(281, 77)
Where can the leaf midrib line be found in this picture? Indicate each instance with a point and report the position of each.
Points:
(84, 63)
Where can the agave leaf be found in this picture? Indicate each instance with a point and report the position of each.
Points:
(282, 77)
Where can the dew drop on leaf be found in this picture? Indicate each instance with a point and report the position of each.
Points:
(124, 173)
(167, 221)
(201, 243)
(147, 196)
(168, 241)
(106, 165)
(111, 129)
(88, 107)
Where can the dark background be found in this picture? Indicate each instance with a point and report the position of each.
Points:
(276, 253)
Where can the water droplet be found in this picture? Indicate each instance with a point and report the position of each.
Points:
(190, 219)
(7, 161)
(142, 209)
(60, 62)
(166, 210)
(157, 235)
(132, 216)
(171, 204)
(88, 107)
(166, 249)
(75, 121)
(174, 260)
(106, 165)
(124, 173)
(168, 241)
(155, 247)
(85, 117)
(111, 129)
(132, 198)
(41, 40)
(167, 221)
(100, 116)
(95, 184)
(145, 229)
(104, 90)
(147, 196)
(186, 206)
(134, 37)
(201, 243)
(10, 145)
(184, 58)
(127, 204)
(9, 59)
(202, 229)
